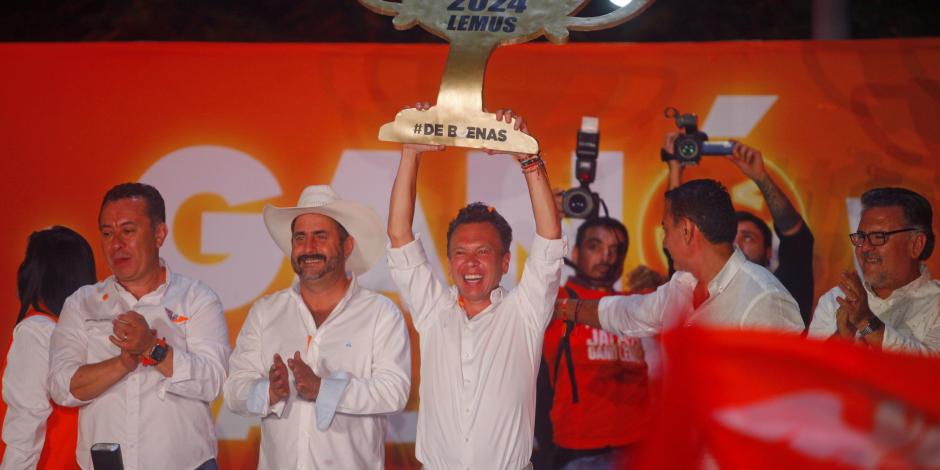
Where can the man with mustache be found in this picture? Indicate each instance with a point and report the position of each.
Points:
(480, 344)
(599, 392)
(897, 306)
(144, 352)
(348, 357)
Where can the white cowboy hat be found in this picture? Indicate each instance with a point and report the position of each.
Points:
(361, 222)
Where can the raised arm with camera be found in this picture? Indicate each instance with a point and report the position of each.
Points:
(787, 221)
(754, 238)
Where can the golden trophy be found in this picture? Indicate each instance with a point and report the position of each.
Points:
(474, 29)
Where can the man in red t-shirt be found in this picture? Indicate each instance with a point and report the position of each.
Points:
(601, 393)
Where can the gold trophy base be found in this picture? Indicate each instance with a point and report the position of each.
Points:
(476, 130)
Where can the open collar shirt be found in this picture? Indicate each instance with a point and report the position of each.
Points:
(159, 422)
(478, 375)
(742, 295)
(911, 315)
(363, 354)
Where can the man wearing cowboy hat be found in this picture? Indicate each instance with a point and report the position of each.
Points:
(348, 359)
(480, 344)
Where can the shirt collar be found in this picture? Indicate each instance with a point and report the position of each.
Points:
(724, 277)
(158, 293)
(911, 289)
(496, 297)
(351, 290)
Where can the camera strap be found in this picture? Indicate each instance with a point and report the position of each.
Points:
(564, 347)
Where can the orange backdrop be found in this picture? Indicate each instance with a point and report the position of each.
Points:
(223, 129)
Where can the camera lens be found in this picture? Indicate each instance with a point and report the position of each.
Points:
(688, 148)
(578, 203)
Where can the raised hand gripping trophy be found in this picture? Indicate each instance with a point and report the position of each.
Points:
(474, 29)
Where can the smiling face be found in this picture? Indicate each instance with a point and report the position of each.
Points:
(599, 257)
(894, 264)
(129, 240)
(477, 260)
(318, 251)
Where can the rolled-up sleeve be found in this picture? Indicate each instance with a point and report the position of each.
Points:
(199, 371)
(634, 315)
(541, 276)
(67, 352)
(421, 291)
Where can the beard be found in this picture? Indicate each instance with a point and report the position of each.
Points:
(309, 273)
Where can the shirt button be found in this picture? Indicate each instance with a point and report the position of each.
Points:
(466, 439)
(467, 410)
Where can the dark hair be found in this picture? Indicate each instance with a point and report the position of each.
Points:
(707, 204)
(478, 212)
(58, 261)
(606, 222)
(916, 209)
(744, 216)
(156, 209)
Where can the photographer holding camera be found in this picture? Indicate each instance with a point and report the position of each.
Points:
(592, 384)
(600, 403)
(795, 269)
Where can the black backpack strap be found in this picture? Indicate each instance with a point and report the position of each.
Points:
(564, 347)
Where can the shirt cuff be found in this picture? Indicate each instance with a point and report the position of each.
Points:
(605, 308)
(549, 250)
(182, 371)
(408, 255)
(331, 392)
(70, 399)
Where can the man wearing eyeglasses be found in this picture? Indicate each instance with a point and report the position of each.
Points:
(898, 305)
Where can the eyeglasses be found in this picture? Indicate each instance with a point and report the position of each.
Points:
(875, 238)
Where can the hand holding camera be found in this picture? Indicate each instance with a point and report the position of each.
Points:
(749, 160)
(691, 144)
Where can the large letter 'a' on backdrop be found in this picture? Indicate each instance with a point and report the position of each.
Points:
(223, 129)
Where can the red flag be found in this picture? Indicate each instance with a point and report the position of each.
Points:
(749, 399)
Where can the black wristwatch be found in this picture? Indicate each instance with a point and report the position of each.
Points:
(157, 353)
(874, 324)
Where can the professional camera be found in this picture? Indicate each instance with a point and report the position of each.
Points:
(581, 202)
(692, 144)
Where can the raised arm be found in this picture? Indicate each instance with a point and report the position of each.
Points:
(401, 206)
(675, 168)
(751, 162)
(547, 223)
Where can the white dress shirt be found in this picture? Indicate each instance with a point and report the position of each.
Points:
(477, 388)
(26, 394)
(160, 422)
(742, 295)
(363, 353)
(911, 315)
